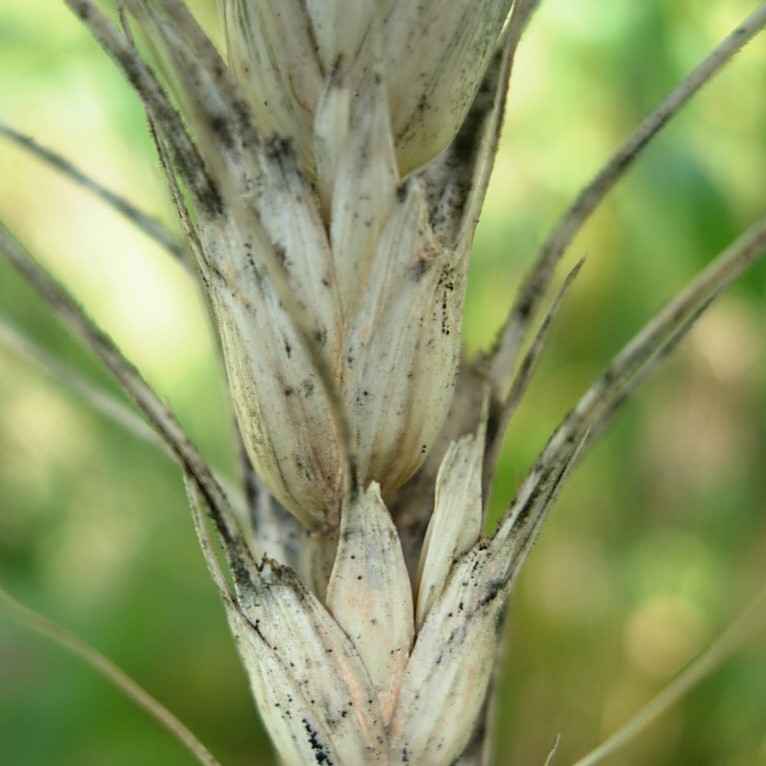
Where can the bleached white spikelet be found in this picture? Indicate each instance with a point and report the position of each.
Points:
(370, 594)
(329, 287)
(344, 684)
(353, 246)
(455, 524)
(446, 679)
(311, 684)
(337, 282)
(434, 56)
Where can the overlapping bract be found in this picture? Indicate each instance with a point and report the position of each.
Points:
(339, 310)
(339, 313)
(384, 303)
(434, 55)
(351, 682)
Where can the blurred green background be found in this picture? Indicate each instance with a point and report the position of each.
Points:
(656, 543)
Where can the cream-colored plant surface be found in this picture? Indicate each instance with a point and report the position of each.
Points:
(329, 167)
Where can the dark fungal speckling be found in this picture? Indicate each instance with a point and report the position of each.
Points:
(320, 751)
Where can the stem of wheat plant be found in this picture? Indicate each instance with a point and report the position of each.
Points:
(328, 168)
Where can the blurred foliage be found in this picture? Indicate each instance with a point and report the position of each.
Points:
(656, 542)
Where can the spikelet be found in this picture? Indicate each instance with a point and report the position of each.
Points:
(338, 299)
(455, 524)
(434, 57)
(339, 311)
(370, 594)
(352, 683)
(308, 679)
